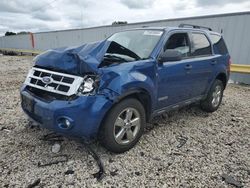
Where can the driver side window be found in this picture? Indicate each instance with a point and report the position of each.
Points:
(179, 42)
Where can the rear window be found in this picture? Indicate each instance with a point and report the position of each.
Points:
(201, 45)
(218, 44)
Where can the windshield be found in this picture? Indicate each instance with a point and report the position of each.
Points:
(133, 45)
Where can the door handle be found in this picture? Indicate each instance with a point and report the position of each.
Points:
(213, 62)
(188, 67)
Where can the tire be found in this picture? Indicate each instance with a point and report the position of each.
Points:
(123, 126)
(214, 97)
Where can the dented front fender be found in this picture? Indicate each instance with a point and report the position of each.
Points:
(123, 79)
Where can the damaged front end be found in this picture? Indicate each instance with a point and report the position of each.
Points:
(61, 91)
(71, 72)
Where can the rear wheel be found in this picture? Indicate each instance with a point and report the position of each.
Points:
(123, 126)
(214, 97)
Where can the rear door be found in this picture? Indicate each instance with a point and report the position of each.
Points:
(202, 64)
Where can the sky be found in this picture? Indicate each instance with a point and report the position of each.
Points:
(49, 15)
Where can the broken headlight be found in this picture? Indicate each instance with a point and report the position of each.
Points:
(89, 85)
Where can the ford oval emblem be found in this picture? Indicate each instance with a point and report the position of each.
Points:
(47, 80)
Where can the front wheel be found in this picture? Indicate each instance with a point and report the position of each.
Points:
(214, 97)
(123, 126)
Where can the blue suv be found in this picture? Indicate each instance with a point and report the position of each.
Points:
(110, 89)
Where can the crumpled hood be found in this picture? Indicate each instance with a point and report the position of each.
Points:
(74, 60)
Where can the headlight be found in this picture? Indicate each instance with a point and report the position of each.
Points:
(89, 85)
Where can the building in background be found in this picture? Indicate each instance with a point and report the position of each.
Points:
(234, 26)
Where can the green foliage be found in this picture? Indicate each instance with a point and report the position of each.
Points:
(8, 33)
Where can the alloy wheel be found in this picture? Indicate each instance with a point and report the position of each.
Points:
(127, 126)
(216, 96)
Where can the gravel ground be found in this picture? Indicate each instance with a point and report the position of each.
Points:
(186, 148)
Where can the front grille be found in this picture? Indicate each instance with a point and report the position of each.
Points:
(55, 82)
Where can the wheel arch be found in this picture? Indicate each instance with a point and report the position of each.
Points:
(141, 95)
(222, 77)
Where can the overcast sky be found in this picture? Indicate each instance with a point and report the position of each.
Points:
(47, 15)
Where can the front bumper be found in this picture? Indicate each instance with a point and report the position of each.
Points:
(85, 113)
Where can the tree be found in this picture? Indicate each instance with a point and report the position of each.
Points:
(8, 33)
(23, 32)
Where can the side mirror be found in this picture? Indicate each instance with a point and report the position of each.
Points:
(170, 55)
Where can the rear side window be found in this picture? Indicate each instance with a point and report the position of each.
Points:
(201, 45)
(218, 44)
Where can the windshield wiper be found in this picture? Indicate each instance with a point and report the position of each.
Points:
(115, 57)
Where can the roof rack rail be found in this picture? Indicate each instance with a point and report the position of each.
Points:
(195, 26)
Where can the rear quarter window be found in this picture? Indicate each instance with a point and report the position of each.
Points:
(218, 44)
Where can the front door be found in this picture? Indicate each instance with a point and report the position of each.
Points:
(173, 77)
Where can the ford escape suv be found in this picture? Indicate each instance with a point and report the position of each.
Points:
(110, 89)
